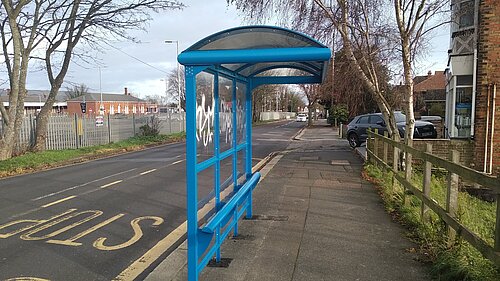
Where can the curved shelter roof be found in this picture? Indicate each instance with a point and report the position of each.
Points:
(250, 51)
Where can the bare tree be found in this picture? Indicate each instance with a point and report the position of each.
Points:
(361, 24)
(65, 30)
(413, 18)
(312, 93)
(16, 47)
(76, 91)
(173, 87)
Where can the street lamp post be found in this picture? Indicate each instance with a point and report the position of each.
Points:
(178, 71)
(101, 106)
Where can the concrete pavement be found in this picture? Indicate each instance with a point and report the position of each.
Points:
(315, 219)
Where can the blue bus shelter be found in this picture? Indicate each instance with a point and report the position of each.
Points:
(221, 71)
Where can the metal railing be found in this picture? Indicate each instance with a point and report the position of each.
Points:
(73, 131)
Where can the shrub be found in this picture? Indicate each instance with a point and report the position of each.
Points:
(152, 127)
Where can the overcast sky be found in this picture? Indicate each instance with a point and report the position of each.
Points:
(198, 20)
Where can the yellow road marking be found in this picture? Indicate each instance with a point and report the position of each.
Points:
(111, 183)
(99, 243)
(26, 279)
(71, 241)
(58, 201)
(147, 172)
(28, 236)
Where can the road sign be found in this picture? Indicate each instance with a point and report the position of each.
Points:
(83, 106)
(99, 121)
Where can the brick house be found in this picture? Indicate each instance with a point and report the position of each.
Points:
(473, 74)
(430, 94)
(111, 104)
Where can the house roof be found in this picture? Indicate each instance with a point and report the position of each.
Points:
(34, 96)
(430, 82)
(106, 97)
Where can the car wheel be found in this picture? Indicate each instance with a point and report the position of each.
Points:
(353, 140)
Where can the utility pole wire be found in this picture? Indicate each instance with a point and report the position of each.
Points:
(135, 58)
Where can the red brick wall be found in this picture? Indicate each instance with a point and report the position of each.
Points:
(440, 148)
(488, 74)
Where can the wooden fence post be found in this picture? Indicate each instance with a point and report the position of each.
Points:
(395, 161)
(452, 196)
(426, 187)
(386, 147)
(375, 143)
(368, 143)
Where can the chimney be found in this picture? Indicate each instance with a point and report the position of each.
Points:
(126, 91)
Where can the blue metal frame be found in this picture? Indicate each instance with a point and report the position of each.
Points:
(205, 239)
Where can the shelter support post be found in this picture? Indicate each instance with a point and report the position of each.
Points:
(248, 158)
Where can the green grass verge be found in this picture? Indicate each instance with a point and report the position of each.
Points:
(33, 161)
(459, 262)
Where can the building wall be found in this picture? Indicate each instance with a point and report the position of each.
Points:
(440, 148)
(488, 74)
(110, 107)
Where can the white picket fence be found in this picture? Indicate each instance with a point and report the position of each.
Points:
(69, 132)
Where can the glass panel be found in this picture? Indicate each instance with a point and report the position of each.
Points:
(225, 114)
(226, 173)
(254, 38)
(463, 111)
(464, 80)
(241, 166)
(204, 115)
(240, 113)
(206, 188)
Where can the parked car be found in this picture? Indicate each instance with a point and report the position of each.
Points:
(357, 128)
(302, 117)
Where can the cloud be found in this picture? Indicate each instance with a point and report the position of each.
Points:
(198, 20)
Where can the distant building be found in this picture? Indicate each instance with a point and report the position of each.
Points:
(110, 104)
(34, 101)
(473, 75)
(430, 94)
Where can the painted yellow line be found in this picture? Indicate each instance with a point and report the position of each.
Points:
(111, 183)
(59, 201)
(147, 172)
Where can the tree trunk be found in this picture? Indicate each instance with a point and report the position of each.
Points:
(42, 120)
(7, 142)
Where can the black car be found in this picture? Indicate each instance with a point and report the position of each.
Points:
(357, 128)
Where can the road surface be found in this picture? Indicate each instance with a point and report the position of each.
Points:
(92, 221)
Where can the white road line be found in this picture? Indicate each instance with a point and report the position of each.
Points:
(80, 185)
(58, 201)
(147, 172)
(111, 183)
(177, 162)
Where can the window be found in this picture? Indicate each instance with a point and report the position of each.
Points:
(363, 120)
(375, 119)
(463, 111)
(466, 14)
(464, 80)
